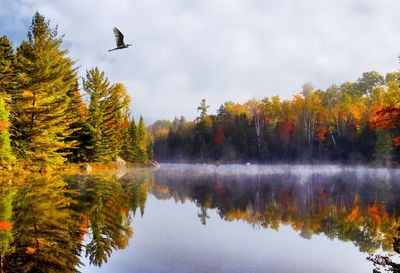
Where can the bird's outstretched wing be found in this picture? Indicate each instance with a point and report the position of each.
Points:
(119, 37)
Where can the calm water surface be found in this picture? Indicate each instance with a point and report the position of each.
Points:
(196, 218)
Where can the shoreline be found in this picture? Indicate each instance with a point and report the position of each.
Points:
(77, 168)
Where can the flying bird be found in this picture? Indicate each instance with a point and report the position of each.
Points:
(119, 38)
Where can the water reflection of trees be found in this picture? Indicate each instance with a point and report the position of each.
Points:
(347, 206)
(385, 263)
(45, 230)
(46, 223)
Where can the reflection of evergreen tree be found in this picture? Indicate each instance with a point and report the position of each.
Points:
(45, 228)
(203, 215)
(44, 220)
(385, 262)
(104, 202)
(136, 187)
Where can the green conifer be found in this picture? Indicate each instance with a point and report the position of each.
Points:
(117, 112)
(40, 100)
(97, 86)
(142, 143)
(130, 152)
(7, 76)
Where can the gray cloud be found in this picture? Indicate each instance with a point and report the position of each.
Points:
(219, 49)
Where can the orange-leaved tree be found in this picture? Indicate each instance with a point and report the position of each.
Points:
(388, 117)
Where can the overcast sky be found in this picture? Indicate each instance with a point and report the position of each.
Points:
(218, 49)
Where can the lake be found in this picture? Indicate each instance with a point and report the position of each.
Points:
(201, 218)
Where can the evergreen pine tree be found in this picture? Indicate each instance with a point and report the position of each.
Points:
(142, 143)
(125, 141)
(131, 150)
(6, 66)
(117, 111)
(96, 85)
(77, 113)
(40, 100)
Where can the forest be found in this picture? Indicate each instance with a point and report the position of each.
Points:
(49, 117)
(351, 122)
(44, 121)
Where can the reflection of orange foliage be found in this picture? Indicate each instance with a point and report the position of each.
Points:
(219, 192)
(27, 94)
(84, 229)
(384, 214)
(297, 226)
(355, 211)
(124, 124)
(235, 214)
(164, 190)
(125, 211)
(109, 125)
(315, 226)
(84, 226)
(30, 250)
(5, 225)
(3, 125)
(377, 213)
(285, 196)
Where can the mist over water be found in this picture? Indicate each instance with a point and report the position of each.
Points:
(303, 172)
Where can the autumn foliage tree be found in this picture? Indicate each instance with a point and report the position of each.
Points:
(388, 117)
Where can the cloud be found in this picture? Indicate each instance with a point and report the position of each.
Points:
(219, 49)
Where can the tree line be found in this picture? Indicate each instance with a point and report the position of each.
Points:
(44, 121)
(353, 121)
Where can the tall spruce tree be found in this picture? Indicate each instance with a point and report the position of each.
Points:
(97, 86)
(142, 143)
(117, 112)
(130, 151)
(77, 113)
(7, 76)
(40, 100)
